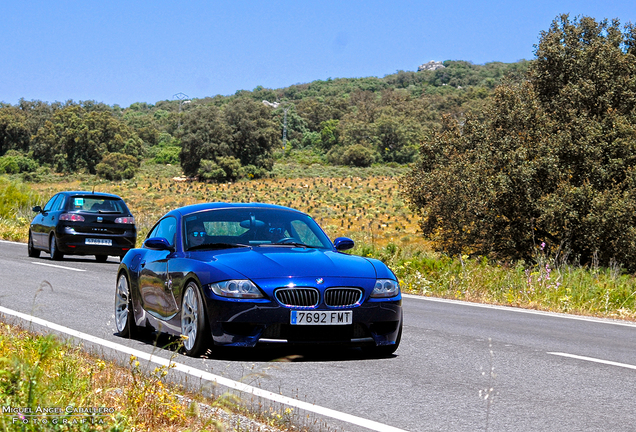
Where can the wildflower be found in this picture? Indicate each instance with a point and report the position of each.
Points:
(542, 245)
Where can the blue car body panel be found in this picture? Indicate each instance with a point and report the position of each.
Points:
(282, 262)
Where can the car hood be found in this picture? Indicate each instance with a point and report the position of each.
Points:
(270, 262)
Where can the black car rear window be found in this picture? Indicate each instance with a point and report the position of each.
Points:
(93, 204)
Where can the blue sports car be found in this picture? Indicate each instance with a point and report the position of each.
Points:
(220, 274)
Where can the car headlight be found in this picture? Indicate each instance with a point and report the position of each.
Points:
(237, 288)
(385, 288)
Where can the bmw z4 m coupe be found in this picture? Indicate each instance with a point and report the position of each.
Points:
(220, 274)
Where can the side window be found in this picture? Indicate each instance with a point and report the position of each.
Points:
(49, 205)
(59, 203)
(166, 228)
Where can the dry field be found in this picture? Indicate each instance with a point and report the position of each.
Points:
(367, 208)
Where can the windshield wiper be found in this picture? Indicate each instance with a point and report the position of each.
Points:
(217, 246)
(291, 243)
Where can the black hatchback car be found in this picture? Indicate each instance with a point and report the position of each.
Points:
(82, 223)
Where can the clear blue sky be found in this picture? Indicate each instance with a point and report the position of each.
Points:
(121, 52)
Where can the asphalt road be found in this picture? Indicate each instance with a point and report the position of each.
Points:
(542, 372)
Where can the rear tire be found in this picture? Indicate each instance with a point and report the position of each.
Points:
(124, 316)
(33, 253)
(56, 255)
(194, 325)
(101, 258)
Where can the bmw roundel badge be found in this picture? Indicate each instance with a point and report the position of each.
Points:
(320, 281)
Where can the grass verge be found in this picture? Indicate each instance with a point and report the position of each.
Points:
(50, 385)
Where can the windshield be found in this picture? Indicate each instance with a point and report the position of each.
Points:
(252, 227)
(96, 204)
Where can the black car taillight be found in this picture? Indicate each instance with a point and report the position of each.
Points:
(71, 217)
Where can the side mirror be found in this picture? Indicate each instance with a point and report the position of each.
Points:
(37, 209)
(343, 243)
(157, 243)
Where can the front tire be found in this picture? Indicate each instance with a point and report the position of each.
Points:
(56, 255)
(124, 316)
(194, 326)
(33, 252)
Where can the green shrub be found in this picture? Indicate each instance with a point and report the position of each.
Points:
(117, 166)
(210, 171)
(13, 158)
(231, 166)
(252, 172)
(9, 165)
(358, 155)
(15, 198)
(168, 155)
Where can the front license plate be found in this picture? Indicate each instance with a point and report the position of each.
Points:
(99, 242)
(344, 317)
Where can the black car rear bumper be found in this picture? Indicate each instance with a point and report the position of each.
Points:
(76, 244)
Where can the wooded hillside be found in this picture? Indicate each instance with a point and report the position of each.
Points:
(348, 121)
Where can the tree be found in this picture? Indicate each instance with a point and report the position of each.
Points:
(76, 140)
(14, 131)
(553, 160)
(204, 136)
(329, 134)
(254, 134)
(243, 131)
(398, 136)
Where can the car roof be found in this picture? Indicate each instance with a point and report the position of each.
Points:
(194, 208)
(97, 194)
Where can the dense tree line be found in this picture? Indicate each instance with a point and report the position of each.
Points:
(551, 162)
(345, 121)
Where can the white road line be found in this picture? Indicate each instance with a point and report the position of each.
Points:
(595, 360)
(58, 266)
(521, 310)
(226, 382)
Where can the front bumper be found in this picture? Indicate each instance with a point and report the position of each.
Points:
(248, 323)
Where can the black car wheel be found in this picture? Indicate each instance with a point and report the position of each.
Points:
(101, 258)
(33, 253)
(124, 319)
(194, 326)
(53, 250)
